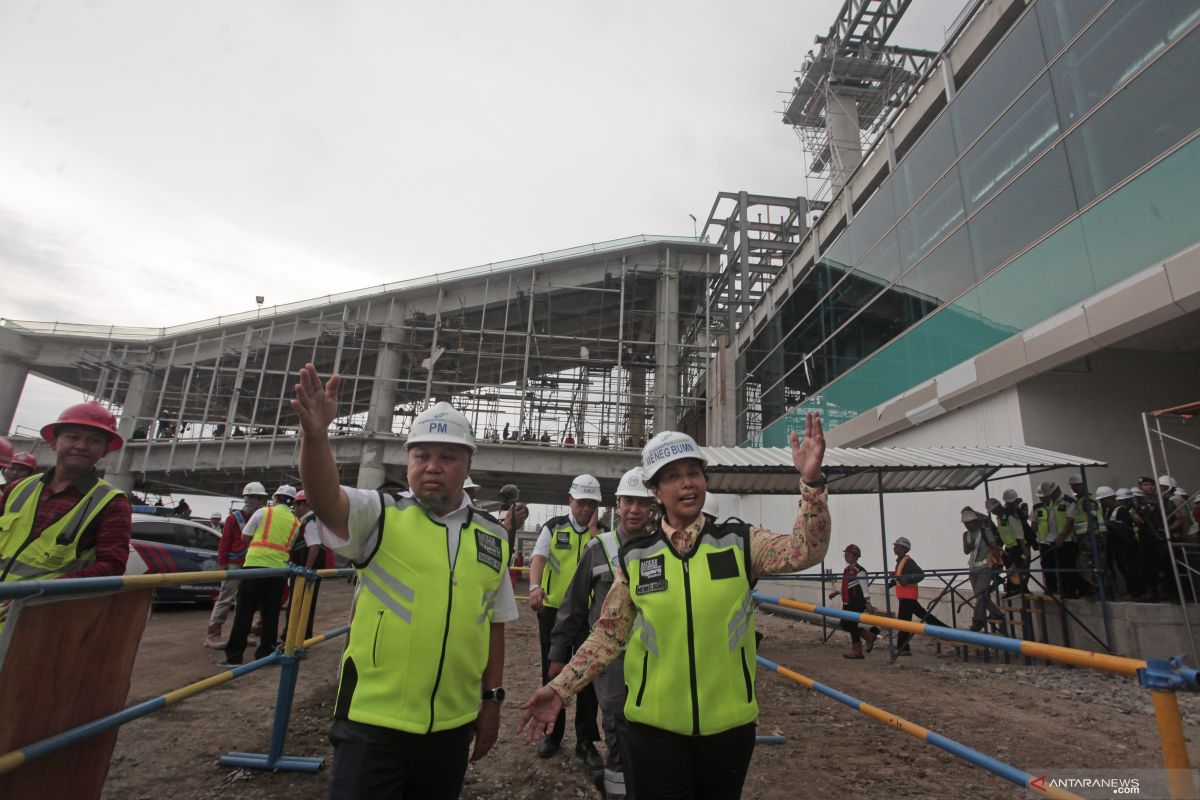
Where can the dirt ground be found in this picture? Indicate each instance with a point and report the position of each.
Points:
(1031, 717)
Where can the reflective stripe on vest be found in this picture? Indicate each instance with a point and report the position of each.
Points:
(1043, 521)
(903, 591)
(610, 545)
(1008, 536)
(566, 547)
(421, 631)
(54, 552)
(690, 660)
(273, 540)
(1082, 505)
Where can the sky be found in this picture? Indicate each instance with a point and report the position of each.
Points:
(162, 162)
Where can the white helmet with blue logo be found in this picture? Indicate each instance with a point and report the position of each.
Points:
(666, 447)
(631, 485)
(441, 423)
(585, 487)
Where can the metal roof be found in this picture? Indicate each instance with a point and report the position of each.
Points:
(858, 470)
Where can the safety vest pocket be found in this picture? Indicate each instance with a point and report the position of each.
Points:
(746, 676)
(642, 688)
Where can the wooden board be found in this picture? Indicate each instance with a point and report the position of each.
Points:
(68, 662)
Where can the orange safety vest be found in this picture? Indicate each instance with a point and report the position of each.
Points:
(904, 592)
(272, 542)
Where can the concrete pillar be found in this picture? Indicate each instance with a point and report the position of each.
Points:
(12, 382)
(666, 348)
(371, 469)
(637, 403)
(136, 411)
(845, 142)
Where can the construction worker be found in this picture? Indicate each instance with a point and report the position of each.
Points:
(422, 673)
(1087, 513)
(1054, 521)
(308, 552)
(556, 555)
(6, 453)
(856, 596)
(231, 554)
(1120, 542)
(20, 467)
(905, 578)
(471, 488)
(268, 535)
(1012, 528)
(581, 607)
(686, 589)
(67, 522)
(982, 548)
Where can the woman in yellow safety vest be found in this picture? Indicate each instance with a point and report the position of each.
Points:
(683, 613)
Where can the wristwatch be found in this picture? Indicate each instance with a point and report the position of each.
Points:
(815, 484)
(495, 695)
(533, 586)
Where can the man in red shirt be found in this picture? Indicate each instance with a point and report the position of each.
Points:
(69, 523)
(231, 552)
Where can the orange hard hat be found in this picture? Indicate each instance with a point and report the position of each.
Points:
(88, 415)
(6, 452)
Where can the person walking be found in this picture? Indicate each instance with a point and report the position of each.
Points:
(856, 596)
(982, 548)
(683, 605)
(556, 556)
(1054, 521)
(906, 578)
(422, 673)
(268, 534)
(580, 609)
(231, 554)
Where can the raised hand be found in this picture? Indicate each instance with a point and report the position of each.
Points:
(807, 455)
(316, 403)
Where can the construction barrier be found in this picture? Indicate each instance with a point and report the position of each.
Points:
(288, 657)
(1006, 771)
(1163, 677)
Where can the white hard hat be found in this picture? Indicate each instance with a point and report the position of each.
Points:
(1011, 496)
(254, 488)
(1074, 479)
(1167, 480)
(470, 484)
(1046, 488)
(631, 485)
(1105, 491)
(969, 515)
(903, 542)
(585, 487)
(441, 423)
(1124, 494)
(993, 504)
(287, 490)
(666, 447)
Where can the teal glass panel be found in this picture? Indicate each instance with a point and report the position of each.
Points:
(922, 164)
(870, 222)
(1152, 217)
(1062, 19)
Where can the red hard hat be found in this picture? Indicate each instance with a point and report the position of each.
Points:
(301, 496)
(26, 460)
(6, 451)
(88, 415)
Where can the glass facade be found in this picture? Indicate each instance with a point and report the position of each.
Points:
(1016, 202)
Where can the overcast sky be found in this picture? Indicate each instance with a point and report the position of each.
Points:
(165, 161)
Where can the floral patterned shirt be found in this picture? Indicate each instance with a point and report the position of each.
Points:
(770, 553)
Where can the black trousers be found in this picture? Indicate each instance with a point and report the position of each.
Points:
(853, 628)
(586, 705)
(265, 596)
(912, 608)
(1064, 556)
(670, 766)
(373, 763)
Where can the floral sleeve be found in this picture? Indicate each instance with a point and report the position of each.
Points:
(806, 545)
(602, 647)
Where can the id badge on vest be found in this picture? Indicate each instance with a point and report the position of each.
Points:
(562, 540)
(652, 575)
(488, 550)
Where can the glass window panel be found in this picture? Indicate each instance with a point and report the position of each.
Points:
(922, 165)
(931, 219)
(883, 264)
(1040, 283)
(1124, 38)
(870, 222)
(1015, 139)
(994, 84)
(1138, 124)
(1037, 201)
(1062, 19)
(943, 274)
(1150, 218)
